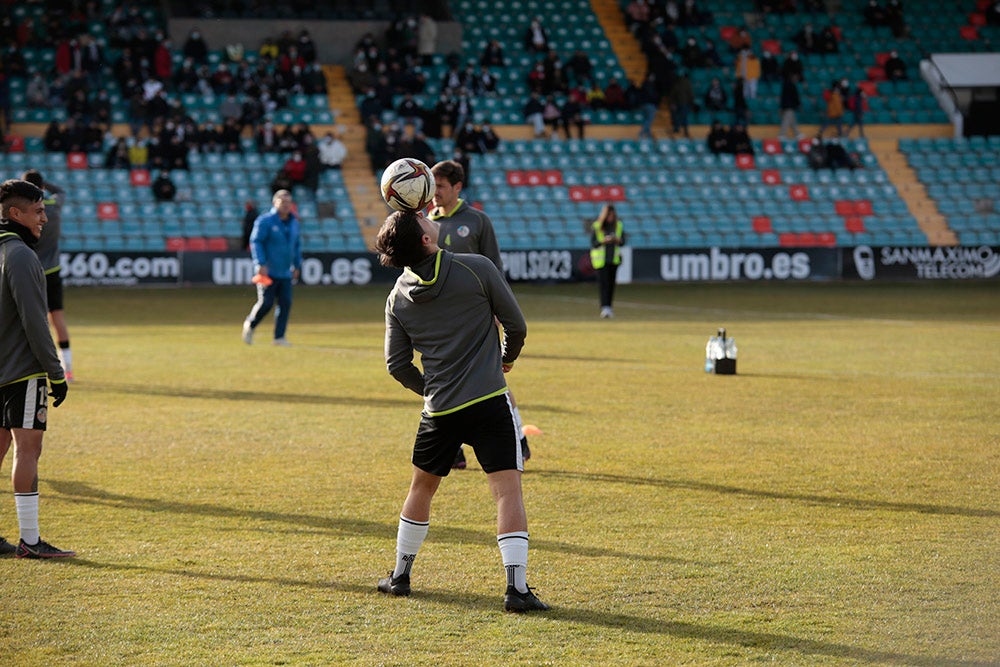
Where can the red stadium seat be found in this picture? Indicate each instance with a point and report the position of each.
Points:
(871, 90)
(76, 161)
(875, 73)
(515, 178)
(969, 33)
(854, 225)
(772, 46)
(216, 243)
(798, 193)
(727, 32)
(174, 243)
(845, 208)
(15, 143)
(107, 210)
(196, 244)
(827, 239)
(762, 224)
(745, 161)
(805, 145)
(808, 239)
(139, 177)
(771, 176)
(553, 177)
(533, 177)
(772, 146)
(788, 239)
(880, 58)
(864, 207)
(977, 19)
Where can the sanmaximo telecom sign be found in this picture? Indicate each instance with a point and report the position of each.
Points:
(922, 262)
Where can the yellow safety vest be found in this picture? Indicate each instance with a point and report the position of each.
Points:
(598, 254)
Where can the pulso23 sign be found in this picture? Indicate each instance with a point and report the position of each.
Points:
(538, 264)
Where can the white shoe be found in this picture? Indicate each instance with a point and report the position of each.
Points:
(281, 342)
(607, 313)
(247, 333)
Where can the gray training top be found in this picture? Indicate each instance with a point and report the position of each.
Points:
(28, 350)
(444, 308)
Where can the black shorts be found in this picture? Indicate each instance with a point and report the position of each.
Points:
(24, 404)
(488, 426)
(53, 287)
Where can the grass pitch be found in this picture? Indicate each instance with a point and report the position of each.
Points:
(836, 502)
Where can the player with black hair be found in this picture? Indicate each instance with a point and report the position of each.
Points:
(29, 358)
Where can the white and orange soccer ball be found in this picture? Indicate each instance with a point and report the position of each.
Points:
(407, 185)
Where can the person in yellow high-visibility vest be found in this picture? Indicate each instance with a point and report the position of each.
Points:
(607, 237)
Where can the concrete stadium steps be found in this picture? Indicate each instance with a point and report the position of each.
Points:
(623, 43)
(913, 192)
(357, 169)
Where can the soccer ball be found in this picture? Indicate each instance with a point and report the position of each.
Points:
(407, 185)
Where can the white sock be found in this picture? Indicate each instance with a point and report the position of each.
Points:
(66, 356)
(27, 516)
(409, 537)
(514, 553)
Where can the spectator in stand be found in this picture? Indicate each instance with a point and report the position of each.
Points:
(748, 68)
(101, 109)
(555, 75)
(536, 79)
(816, 156)
(807, 40)
(614, 96)
(37, 92)
(648, 100)
(692, 15)
(638, 14)
(138, 153)
(572, 116)
(595, 97)
(463, 107)
(828, 42)
(895, 19)
(310, 156)
(441, 121)
(681, 100)
(250, 213)
(791, 102)
(837, 156)
(79, 107)
(492, 55)
(691, 55)
(534, 110)
(195, 47)
(536, 39)
(281, 182)
(741, 41)
(579, 69)
(769, 69)
(715, 98)
(857, 103)
(552, 115)
(489, 138)
(739, 140)
(117, 156)
(718, 138)
(741, 111)
(834, 109)
(710, 55)
(895, 68)
(792, 66)
(163, 187)
(410, 112)
(229, 136)
(875, 15)
(332, 151)
(427, 34)
(295, 168)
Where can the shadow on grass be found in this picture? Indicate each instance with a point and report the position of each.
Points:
(831, 501)
(746, 639)
(273, 397)
(80, 492)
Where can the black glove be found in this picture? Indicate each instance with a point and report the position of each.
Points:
(57, 390)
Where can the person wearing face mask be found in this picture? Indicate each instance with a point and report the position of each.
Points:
(195, 47)
(792, 67)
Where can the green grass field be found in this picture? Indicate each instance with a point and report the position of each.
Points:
(836, 502)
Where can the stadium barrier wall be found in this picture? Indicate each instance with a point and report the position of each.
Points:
(179, 269)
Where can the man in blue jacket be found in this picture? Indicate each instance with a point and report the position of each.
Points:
(276, 247)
